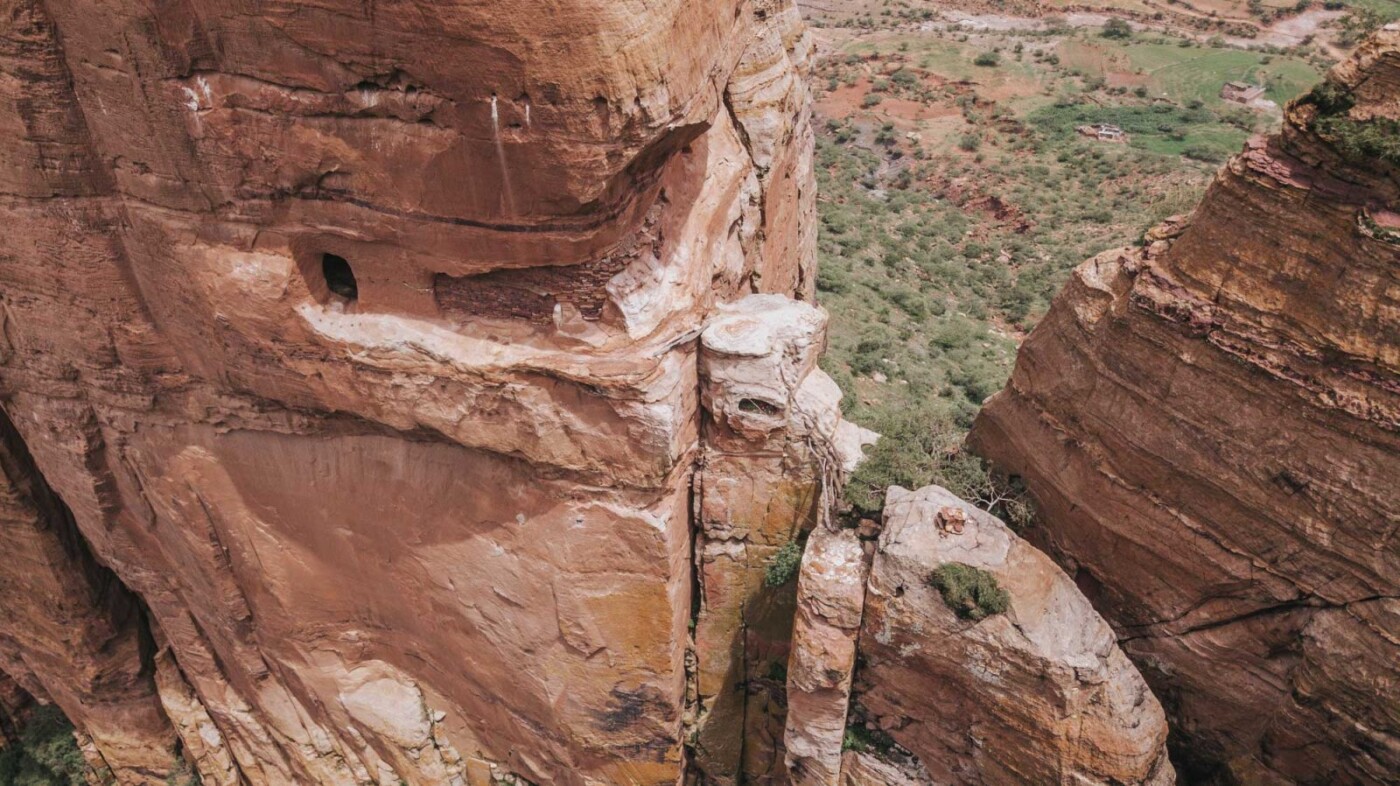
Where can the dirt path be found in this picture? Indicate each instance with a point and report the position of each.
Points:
(1283, 33)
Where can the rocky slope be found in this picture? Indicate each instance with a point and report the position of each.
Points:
(1210, 425)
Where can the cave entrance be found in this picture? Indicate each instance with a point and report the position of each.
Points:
(340, 278)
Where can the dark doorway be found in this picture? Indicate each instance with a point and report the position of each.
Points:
(339, 277)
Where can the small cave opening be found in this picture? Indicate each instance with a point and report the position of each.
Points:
(340, 278)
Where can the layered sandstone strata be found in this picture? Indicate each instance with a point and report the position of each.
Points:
(367, 345)
(1210, 426)
(1038, 693)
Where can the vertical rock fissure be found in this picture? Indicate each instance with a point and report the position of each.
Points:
(690, 718)
(95, 659)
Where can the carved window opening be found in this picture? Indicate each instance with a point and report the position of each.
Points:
(340, 278)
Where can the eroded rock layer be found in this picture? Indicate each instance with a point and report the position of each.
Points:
(70, 633)
(1210, 426)
(374, 348)
(1031, 689)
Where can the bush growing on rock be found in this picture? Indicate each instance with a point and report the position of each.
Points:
(1377, 139)
(1359, 141)
(783, 565)
(922, 445)
(972, 593)
(860, 739)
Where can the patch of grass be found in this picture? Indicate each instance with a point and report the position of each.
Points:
(862, 740)
(1360, 142)
(1190, 74)
(1156, 128)
(1385, 10)
(783, 565)
(1365, 17)
(46, 754)
(972, 593)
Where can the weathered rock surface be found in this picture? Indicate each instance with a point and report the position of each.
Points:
(1038, 694)
(16, 706)
(367, 345)
(872, 769)
(774, 448)
(404, 393)
(830, 603)
(1210, 426)
(70, 633)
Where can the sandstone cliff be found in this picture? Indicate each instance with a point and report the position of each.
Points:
(405, 393)
(369, 349)
(1210, 425)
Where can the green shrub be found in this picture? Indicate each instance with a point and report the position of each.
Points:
(1116, 28)
(862, 740)
(972, 593)
(913, 443)
(46, 754)
(987, 59)
(1203, 153)
(1377, 139)
(833, 280)
(1330, 99)
(783, 565)
(909, 301)
(921, 445)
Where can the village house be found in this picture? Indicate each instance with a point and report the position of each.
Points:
(1241, 92)
(1104, 132)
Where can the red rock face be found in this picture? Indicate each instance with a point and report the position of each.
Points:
(15, 707)
(1209, 425)
(70, 633)
(361, 342)
(1034, 691)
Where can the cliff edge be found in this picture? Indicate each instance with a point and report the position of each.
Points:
(1210, 427)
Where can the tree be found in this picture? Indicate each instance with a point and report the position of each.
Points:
(1117, 28)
